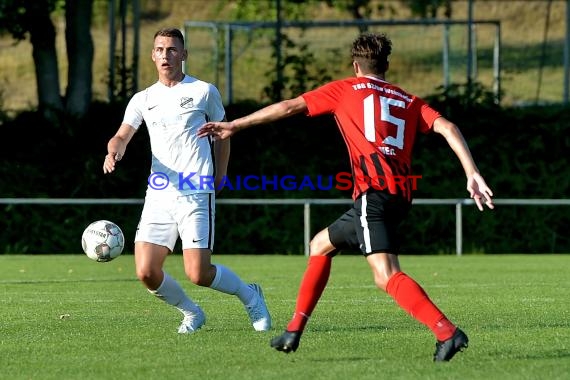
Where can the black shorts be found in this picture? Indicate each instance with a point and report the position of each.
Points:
(371, 225)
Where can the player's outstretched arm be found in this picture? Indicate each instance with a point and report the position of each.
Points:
(223, 130)
(476, 185)
(116, 147)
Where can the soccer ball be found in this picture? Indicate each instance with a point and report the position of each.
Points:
(103, 241)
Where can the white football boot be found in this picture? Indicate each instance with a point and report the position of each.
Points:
(257, 310)
(192, 322)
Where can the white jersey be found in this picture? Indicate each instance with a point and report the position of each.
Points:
(182, 163)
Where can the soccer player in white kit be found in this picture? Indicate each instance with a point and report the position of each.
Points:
(180, 198)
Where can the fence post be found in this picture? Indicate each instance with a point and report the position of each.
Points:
(307, 225)
(228, 65)
(497, 64)
(459, 228)
(566, 94)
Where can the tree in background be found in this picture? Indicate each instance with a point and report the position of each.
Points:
(357, 9)
(31, 19)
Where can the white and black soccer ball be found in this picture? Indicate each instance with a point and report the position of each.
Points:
(103, 241)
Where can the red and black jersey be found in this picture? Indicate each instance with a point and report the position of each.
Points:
(379, 123)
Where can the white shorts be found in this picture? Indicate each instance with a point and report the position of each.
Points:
(190, 217)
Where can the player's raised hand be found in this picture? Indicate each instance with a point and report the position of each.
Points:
(479, 191)
(110, 160)
(219, 130)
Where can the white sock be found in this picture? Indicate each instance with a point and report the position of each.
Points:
(228, 282)
(172, 293)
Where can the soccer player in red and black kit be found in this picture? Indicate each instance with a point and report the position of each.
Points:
(379, 123)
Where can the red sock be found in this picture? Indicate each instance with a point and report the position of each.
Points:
(412, 298)
(312, 286)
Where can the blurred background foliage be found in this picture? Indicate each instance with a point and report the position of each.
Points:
(521, 150)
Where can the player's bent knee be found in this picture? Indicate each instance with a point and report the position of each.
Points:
(152, 278)
(200, 278)
(320, 245)
(318, 249)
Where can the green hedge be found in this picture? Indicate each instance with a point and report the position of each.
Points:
(522, 153)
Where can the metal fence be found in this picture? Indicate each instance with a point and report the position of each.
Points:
(528, 67)
(306, 203)
(236, 55)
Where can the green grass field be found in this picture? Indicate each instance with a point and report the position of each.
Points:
(67, 317)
